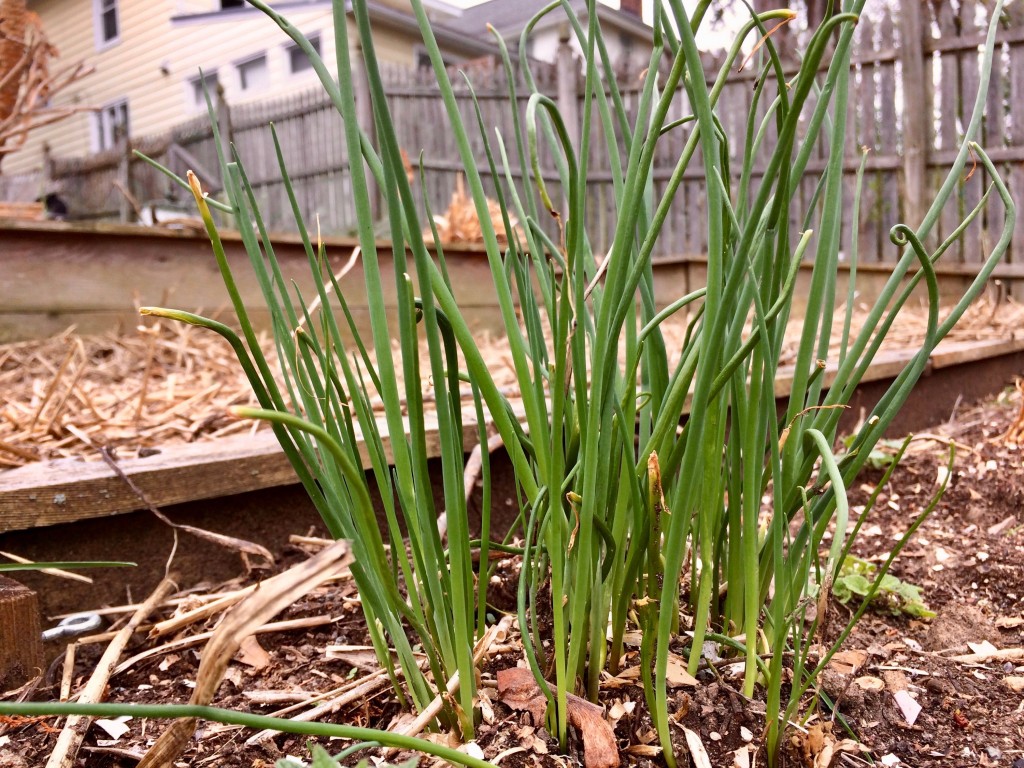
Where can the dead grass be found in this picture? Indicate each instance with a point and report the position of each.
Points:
(169, 383)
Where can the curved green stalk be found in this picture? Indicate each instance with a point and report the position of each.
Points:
(602, 457)
(247, 720)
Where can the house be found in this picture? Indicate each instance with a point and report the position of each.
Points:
(628, 38)
(148, 55)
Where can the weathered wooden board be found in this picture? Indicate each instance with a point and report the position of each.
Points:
(22, 211)
(62, 491)
(65, 490)
(57, 274)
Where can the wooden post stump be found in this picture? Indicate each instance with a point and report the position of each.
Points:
(21, 641)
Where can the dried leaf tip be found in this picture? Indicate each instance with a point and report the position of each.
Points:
(654, 468)
(194, 185)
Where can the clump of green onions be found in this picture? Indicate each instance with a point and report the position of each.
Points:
(621, 506)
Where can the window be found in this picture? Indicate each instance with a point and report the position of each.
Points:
(106, 22)
(110, 125)
(297, 59)
(198, 86)
(253, 74)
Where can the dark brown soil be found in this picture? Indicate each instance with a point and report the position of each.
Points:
(968, 557)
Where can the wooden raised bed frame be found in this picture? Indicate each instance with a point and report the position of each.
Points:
(104, 270)
(68, 490)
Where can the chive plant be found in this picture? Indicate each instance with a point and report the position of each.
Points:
(629, 520)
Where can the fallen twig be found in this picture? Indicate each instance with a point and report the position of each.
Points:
(187, 642)
(367, 686)
(51, 571)
(272, 596)
(1002, 654)
(494, 633)
(71, 737)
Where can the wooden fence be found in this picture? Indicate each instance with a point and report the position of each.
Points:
(912, 89)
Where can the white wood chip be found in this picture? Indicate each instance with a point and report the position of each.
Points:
(908, 706)
(473, 750)
(697, 751)
(870, 683)
(984, 648)
(115, 728)
(1014, 683)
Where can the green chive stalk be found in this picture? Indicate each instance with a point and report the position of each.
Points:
(634, 516)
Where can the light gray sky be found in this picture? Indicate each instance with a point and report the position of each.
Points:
(706, 38)
(648, 4)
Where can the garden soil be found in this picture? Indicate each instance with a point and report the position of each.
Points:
(911, 691)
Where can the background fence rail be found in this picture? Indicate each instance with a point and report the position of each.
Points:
(907, 113)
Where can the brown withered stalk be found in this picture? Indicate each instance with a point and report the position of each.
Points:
(27, 82)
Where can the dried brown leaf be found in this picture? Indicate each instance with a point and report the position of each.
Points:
(676, 673)
(519, 690)
(848, 662)
(252, 654)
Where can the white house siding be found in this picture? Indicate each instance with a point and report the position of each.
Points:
(154, 60)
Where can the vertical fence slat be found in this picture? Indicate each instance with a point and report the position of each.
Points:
(915, 114)
(1017, 134)
(971, 189)
(949, 109)
(868, 137)
(908, 138)
(888, 141)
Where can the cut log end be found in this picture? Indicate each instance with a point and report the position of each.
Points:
(21, 643)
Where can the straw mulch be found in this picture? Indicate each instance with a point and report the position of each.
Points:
(169, 383)
(460, 223)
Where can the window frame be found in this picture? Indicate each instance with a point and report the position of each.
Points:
(248, 60)
(104, 138)
(99, 11)
(293, 50)
(196, 100)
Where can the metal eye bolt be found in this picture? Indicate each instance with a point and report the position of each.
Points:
(72, 626)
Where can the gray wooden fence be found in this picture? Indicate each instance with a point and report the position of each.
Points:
(910, 100)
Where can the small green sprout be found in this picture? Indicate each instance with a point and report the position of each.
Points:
(893, 595)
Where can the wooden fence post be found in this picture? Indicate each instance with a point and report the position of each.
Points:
(568, 95)
(21, 641)
(124, 177)
(227, 134)
(916, 116)
(48, 182)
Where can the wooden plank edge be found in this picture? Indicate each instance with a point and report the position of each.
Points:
(67, 490)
